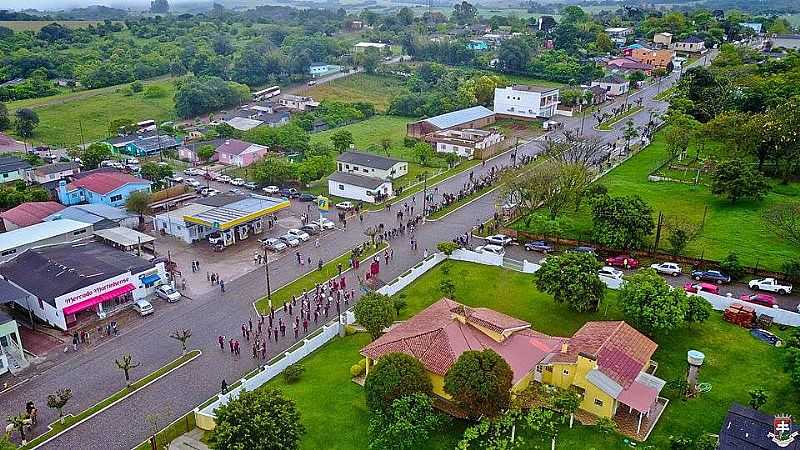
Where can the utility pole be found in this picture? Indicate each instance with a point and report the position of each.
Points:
(266, 272)
(80, 126)
(424, 194)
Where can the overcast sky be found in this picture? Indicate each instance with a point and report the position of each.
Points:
(66, 4)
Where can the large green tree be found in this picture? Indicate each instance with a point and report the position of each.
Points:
(571, 278)
(621, 222)
(407, 425)
(261, 419)
(395, 375)
(94, 154)
(26, 121)
(342, 140)
(650, 304)
(480, 382)
(736, 180)
(5, 121)
(374, 312)
(139, 203)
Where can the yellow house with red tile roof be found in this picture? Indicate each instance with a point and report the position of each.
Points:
(608, 363)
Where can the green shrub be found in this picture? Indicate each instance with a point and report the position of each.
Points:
(350, 330)
(356, 370)
(293, 372)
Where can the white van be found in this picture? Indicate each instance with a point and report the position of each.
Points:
(143, 307)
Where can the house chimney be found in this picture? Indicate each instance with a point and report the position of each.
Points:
(564, 347)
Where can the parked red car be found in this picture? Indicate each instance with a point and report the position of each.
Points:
(625, 261)
(760, 299)
(697, 287)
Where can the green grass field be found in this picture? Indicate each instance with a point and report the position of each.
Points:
(61, 117)
(361, 87)
(370, 132)
(735, 363)
(728, 227)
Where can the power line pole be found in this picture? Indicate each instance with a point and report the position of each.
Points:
(266, 273)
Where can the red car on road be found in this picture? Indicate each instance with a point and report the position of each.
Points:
(625, 261)
(760, 299)
(697, 287)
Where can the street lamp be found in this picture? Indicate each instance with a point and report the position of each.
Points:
(424, 194)
(266, 273)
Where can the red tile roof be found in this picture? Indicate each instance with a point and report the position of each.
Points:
(104, 182)
(31, 213)
(621, 352)
(629, 64)
(437, 338)
(491, 319)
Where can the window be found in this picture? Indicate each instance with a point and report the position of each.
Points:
(538, 369)
(341, 187)
(566, 372)
(548, 368)
(365, 170)
(76, 233)
(598, 402)
(5, 175)
(116, 198)
(9, 252)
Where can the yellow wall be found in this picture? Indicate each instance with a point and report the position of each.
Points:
(523, 383)
(204, 422)
(438, 385)
(560, 378)
(576, 376)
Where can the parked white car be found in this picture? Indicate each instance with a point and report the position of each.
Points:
(275, 245)
(499, 239)
(192, 182)
(143, 307)
(667, 268)
(271, 190)
(347, 206)
(237, 182)
(299, 234)
(324, 223)
(491, 248)
(176, 179)
(610, 272)
(771, 285)
(169, 294)
(224, 179)
(290, 240)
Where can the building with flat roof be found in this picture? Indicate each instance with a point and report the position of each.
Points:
(662, 39)
(362, 46)
(12, 355)
(15, 242)
(526, 102)
(359, 187)
(690, 45)
(99, 215)
(298, 102)
(230, 217)
(466, 143)
(613, 85)
(28, 213)
(656, 58)
(68, 283)
(125, 239)
(243, 123)
(748, 429)
(474, 117)
(371, 165)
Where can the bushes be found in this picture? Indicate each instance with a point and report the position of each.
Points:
(293, 372)
(395, 375)
(358, 369)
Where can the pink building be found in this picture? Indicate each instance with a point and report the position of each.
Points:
(239, 153)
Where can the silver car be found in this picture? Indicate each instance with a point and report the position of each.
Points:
(310, 228)
(272, 244)
(290, 240)
(499, 239)
(667, 268)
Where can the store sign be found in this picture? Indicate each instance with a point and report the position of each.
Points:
(96, 289)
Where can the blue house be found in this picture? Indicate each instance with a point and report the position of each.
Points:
(145, 146)
(108, 188)
(477, 44)
(321, 69)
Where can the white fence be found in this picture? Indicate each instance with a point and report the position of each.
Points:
(415, 272)
(485, 258)
(781, 316)
(272, 369)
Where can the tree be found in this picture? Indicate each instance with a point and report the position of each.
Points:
(783, 219)
(273, 170)
(480, 382)
(27, 121)
(406, 425)
(386, 145)
(126, 364)
(697, 309)
(495, 433)
(182, 336)
(736, 180)
(94, 154)
(261, 419)
(552, 184)
(447, 247)
(399, 303)
(18, 423)
(731, 266)
(603, 42)
(446, 285)
(206, 152)
(342, 140)
(155, 172)
(424, 153)
(571, 278)
(370, 59)
(621, 222)
(464, 13)
(203, 94)
(374, 312)
(58, 400)
(567, 401)
(681, 232)
(650, 304)
(394, 376)
(138, 202)
(293, 372)
(123, 126)
(758, 397)
(5, 121)
(629, 133)
(543, 423)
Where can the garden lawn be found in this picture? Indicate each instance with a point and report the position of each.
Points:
(735, 363)
(728, 227)
(62, 116)
(370, 132)
(375, 89)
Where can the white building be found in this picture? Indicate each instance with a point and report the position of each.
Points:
(70, 282)
(359, 187)
(614, 85)
(526, 102)
(54, 172)
(361, 46)
(464, 143)
(59, 231)
(371, 165)
(663, 39)
(173, 224)
(692, 44)
(298, 102)
(619, 34)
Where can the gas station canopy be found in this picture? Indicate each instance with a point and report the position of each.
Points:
(239, 211)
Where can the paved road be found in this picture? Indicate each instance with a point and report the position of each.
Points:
(93, 376)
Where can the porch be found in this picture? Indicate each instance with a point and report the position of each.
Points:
(638, 425)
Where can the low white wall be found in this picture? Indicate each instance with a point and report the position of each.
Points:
(407, 278)
(486, 258)
(781, 316)
(530, 267)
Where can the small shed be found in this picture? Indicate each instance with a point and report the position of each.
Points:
(126, 239)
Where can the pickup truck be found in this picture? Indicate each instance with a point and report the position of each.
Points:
(771, 285)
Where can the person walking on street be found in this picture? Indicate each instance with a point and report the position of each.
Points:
(221, 340)
(224, 387)
(222, 286)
